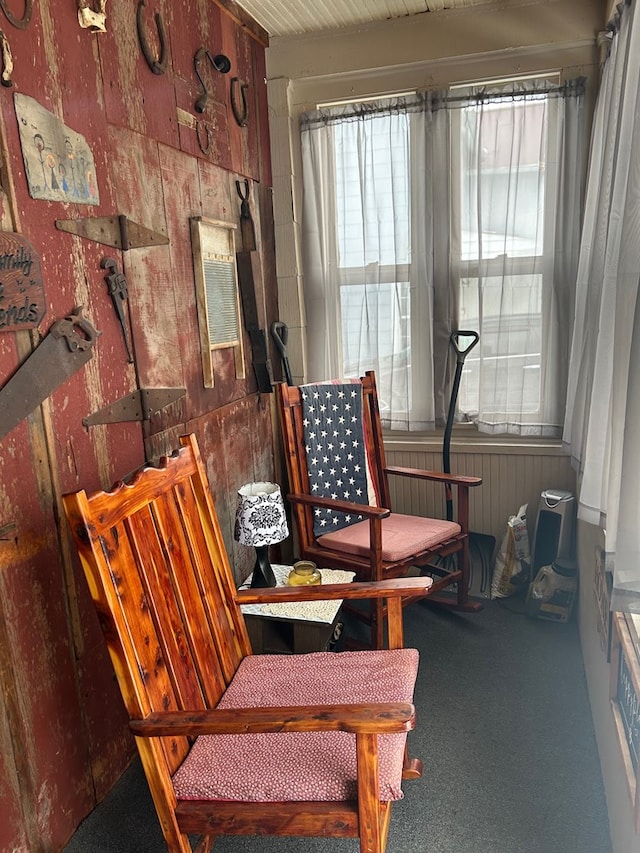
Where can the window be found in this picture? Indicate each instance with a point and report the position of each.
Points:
(499, 151)
(438, 212)
(374, 255)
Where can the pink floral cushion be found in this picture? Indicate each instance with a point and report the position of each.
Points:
(402, 536)
(289, 766)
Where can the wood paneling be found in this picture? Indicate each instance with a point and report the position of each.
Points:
(509, 479)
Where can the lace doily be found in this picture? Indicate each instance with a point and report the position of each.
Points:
(310, 611)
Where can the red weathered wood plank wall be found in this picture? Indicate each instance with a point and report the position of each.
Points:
(159, 162)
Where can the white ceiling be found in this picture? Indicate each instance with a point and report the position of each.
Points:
(293, 17)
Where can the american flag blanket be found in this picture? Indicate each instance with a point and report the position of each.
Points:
(335, 447)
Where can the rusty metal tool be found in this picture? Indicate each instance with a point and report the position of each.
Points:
(250, 281)
(117, 285)
(280, 335)
(63, 351)
(220, 62)
(246, 220)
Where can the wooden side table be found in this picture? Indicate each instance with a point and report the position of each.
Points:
(294, 627)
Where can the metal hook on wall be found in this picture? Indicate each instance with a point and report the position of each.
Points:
(220, 63)
(239, 113)
(158, 66)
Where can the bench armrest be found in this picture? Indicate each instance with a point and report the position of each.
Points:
(396, 587)
(379, 718)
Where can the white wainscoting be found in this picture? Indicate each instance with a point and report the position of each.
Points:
(512, 475)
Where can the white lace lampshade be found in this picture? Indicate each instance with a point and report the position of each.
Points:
(261, 521)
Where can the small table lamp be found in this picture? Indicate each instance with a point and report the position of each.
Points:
(261, 521)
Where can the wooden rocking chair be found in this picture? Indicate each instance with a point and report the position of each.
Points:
(234, 743)
(343, 518)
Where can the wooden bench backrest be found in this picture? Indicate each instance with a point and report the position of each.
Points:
(158, 572)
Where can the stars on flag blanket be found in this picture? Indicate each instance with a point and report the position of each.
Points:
(336, 462)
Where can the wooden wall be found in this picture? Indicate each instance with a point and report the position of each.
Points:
(63, 735)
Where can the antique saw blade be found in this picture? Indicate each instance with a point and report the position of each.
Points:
(67, 346)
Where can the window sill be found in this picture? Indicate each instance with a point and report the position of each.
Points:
(467, 439)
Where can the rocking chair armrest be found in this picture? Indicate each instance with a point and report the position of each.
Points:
(419, 473)
(375, 718)
(340, 506)
(396, 587)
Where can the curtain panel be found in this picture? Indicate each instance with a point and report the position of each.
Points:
(442, 211)
(603, 400)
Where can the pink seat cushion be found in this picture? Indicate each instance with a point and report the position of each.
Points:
(288, 766)
(402, 536)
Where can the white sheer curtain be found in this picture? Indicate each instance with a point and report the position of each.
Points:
(369, 255)
(519, 154)
(603, 402)
(441, 211)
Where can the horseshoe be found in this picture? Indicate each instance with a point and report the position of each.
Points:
(240, 115)
(220, 62)
(22, 22)
(208, 132)
(158, 66)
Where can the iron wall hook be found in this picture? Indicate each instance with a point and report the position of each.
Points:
(220, 63)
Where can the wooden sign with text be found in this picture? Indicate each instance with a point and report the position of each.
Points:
(22, 302)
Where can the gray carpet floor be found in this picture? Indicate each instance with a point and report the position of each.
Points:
(504, 732)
